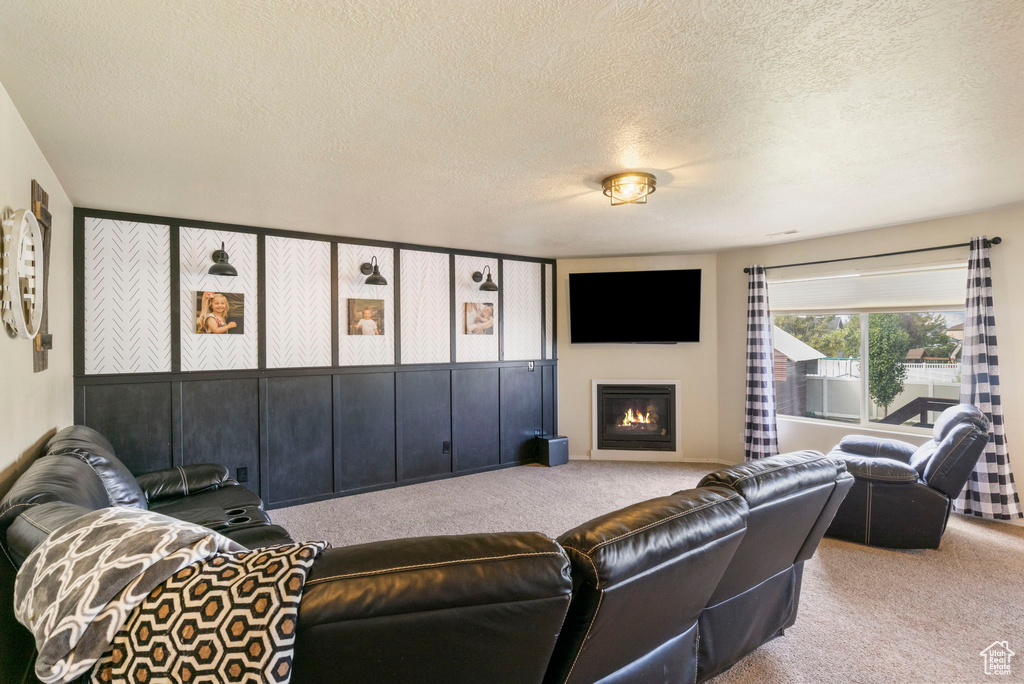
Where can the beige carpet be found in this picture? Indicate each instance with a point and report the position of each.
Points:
(866, 615)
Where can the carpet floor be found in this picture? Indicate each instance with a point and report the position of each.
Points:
(866, 615)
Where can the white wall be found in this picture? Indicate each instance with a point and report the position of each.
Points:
(1008, 283)
(33, 405)
(695, 365)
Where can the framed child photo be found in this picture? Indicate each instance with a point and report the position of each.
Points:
(366, 317)
(479, 318)
(220, 313)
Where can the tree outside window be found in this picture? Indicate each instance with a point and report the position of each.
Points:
(912, 366)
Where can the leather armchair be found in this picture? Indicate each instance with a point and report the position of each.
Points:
(902, 495)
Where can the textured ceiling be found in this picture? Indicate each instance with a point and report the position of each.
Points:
(488, 125)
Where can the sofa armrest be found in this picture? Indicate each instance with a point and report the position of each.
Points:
(880, 469)
(876, 447)
(172, 483)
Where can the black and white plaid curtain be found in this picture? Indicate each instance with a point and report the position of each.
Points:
(990, 493)
(759, 436)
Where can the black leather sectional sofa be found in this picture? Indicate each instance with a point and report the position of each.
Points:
(675, 589)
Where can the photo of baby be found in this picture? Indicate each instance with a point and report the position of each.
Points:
(479, 318)
(220, 312)
(366, 317)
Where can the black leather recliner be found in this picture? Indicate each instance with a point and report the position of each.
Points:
(641, 576)
(791, 500)
(903, 494)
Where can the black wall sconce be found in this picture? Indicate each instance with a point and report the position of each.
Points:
(221, 267)
(372, 272)
(488, 285)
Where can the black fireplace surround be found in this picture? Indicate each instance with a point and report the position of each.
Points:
(636, 417)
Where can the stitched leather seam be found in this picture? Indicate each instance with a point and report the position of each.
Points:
(867, 521)
(583, 644)
(590, 560)
(11, 507)
(102, 482)
(371, 573)
(35, 524)
(950, 453)
(696, 651)
(663, 520)
(893, 478)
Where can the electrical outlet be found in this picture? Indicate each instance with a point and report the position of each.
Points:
(530, 366)
(536, 433)
(446, 447)
(242, 474)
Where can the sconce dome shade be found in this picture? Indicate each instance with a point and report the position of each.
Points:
(376, 278)
(489, 285)
(631, 187)
(372, 271)
(221, 267)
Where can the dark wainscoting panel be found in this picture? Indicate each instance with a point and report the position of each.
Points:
(365, 434)
(475, 418)
(220, 424)
(521, 418)
(136, 419)
(301, 437)
(424, 423)
(548, 398)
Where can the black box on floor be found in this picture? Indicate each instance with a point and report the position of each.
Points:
(554, 450)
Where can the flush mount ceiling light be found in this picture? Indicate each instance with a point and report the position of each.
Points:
(371, 270)
(631, 187)
(221, 266)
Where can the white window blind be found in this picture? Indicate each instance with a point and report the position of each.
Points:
(939, 286)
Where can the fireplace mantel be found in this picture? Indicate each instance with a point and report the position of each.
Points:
(639, 455)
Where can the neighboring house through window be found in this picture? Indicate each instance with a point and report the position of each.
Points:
(869, 347)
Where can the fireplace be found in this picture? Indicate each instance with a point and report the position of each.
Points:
(636, 417)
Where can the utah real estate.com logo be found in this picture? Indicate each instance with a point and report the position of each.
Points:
(997, 658)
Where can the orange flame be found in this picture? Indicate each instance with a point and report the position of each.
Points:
(637, 418)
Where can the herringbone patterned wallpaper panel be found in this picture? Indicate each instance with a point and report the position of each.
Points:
(298, 303)
(474, 347)
(127, 302)
(549, 311)
(226, 351)
(365, 350)
(426, 318)
(523, 294)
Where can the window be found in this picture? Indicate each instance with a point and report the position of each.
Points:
(912, 372)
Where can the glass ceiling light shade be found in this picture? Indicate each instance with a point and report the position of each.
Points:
(221, 267)
(372, 271)
(631, 187)
(488, 285)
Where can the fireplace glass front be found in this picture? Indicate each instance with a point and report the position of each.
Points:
(636, 417)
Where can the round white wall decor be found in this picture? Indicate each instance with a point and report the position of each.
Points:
(22, 274)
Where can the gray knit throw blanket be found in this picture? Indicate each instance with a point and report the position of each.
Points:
(97, 595)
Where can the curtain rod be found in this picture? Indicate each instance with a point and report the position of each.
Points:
(994, 241)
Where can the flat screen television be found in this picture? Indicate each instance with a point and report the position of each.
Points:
(634, 307)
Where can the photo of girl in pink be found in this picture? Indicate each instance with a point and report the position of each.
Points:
(219, 313)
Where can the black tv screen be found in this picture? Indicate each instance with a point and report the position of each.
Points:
(635, 307)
